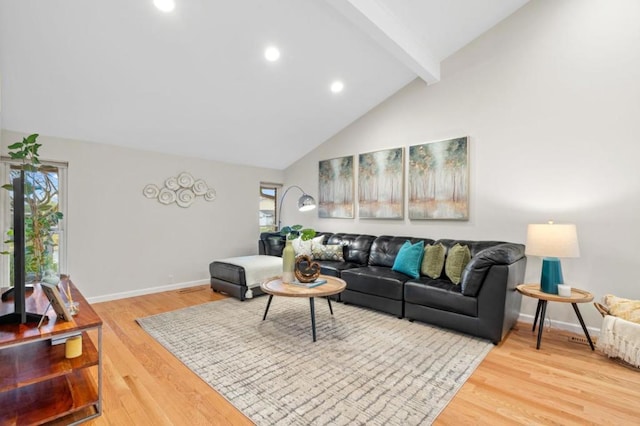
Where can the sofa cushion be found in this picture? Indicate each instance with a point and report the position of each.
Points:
(376, 280)
(328, 252)
(474, 246)
(356, 247)
(385, 249)
(333, 268)
(433, 260)
(440, 294)
(304, 247)
(409, 259)
(457, 258)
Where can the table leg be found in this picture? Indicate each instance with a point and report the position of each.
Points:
(541, 326)
(330, 308)
(535, 320)
(267, 309)
(584, 328)
(313, 318)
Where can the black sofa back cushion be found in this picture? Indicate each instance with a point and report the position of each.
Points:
(271, 244)
(476, 270)
(356, 247)
(474, 246)
(385, 248)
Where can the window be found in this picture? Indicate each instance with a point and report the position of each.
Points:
(268, 206)
(45, 201)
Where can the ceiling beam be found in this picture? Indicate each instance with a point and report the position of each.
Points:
(388, 31)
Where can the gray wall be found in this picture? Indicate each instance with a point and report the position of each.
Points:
(121, 243)
(550, 101)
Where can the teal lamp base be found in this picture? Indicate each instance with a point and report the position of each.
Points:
(551, 275)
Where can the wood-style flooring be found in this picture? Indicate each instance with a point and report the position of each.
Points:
(562, 383)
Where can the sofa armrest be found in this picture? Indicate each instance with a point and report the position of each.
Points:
(499, 301)
(476, 270)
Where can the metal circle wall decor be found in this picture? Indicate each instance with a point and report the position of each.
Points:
(210, 195)
(151, 191)
(185, 197)
(185, 180)
(182, 190)
(166, 196)
(172, 183)
(200, 187)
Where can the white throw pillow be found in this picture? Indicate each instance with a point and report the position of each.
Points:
(301, 247)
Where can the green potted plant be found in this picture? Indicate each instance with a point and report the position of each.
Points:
(295, 231)
(288, 254)
(42, 212)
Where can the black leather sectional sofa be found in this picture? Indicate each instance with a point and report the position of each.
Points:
(485, 303)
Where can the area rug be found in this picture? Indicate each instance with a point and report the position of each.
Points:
(365, 367)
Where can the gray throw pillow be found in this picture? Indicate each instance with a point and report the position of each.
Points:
(328, 252)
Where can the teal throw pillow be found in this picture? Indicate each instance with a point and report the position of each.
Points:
(409, 259)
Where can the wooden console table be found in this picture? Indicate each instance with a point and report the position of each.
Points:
(37, 383)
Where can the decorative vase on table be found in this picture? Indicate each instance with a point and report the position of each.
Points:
(288, 262)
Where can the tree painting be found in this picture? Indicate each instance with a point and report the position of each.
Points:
(336, 188)
(380, 188)
(439, 180)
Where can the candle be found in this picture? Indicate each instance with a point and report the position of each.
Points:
(73, 347)
(564, 290)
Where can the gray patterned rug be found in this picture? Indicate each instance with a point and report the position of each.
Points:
(365, 368)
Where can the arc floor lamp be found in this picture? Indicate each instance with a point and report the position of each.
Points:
(305, 203)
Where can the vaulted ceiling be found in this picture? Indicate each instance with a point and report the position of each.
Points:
(195, 81)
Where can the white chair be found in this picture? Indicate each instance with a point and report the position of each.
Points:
(619, 338)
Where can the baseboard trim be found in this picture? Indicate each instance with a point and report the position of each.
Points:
(566, 326)
(142, 292)
(525, 318)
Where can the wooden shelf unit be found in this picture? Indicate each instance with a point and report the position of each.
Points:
(37, 383)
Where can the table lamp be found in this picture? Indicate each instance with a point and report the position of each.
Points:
(552, 241)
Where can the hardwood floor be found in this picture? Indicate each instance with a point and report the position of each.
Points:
(562, 383)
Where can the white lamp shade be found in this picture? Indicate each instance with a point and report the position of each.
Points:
(552, 240)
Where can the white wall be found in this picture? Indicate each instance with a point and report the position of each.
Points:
(550, 99)
(121, 243)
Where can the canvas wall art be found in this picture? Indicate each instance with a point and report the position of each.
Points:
(380, 184)
(336, 181)
(439, 180)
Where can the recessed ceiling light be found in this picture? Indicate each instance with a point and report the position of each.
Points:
(272, 54)
(165, 5)
(337, 86)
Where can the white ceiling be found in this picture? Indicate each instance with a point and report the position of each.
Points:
(194, 82)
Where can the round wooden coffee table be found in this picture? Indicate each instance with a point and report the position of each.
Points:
(275, 287)
(577, 296)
